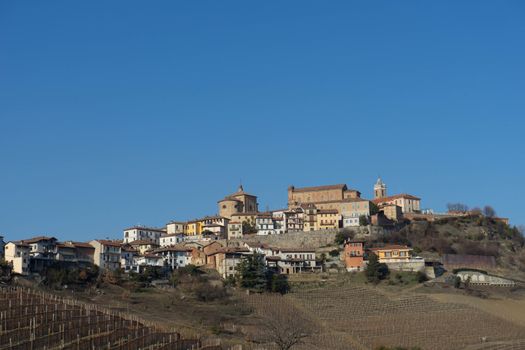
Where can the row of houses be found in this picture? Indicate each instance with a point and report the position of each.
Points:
(35, 254)
(396, 257)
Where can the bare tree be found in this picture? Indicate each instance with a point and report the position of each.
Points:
(457, 207)
(489, 212)
(284, 326)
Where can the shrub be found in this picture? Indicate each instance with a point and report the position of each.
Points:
(205, 292)
(421, 277)
(280, 284)
(343, 235)
(334, 253)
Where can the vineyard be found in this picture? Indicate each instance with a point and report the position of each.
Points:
(37, 320)
(360, 317)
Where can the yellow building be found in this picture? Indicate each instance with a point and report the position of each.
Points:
(393, 253)
(328, 219)
(194, 228)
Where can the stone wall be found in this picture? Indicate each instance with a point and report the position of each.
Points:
(311, 239)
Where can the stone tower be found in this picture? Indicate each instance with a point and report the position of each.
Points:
(379, 189)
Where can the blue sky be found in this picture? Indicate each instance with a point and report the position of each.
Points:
(131, 112)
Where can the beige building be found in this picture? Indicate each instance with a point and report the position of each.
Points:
(328, 219)
(175, 227)
(379, 189)
(234, 229)
(392, 211)
(317, 194)
(107, 254)
(17, 254)
(408, 203)
(143, 245)
(238, 202)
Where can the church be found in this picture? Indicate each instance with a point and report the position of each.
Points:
(238, 202)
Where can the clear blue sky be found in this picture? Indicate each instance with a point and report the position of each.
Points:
(115, 113)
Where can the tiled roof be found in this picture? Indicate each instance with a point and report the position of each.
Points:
(143, 242)
(320, 188)
(145, 228)
(109, 243)
(38, 239)
(397, 196)
(391, 246)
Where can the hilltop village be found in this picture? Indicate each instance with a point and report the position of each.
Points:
(222, 241)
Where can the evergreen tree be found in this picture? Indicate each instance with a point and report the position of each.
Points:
(252, 273)
(376, 271)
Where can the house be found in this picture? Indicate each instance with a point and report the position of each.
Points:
(194, 228)
(149, 259)
(79, 252)
(392, 211)
(350, 221)
(328, 219)
(407, 202)
(175, 256)
(208, 251)
(292, 260)
(248, 217)
(265, 225)
(294, 220)
(17, 254)
(137, 233)
(356, 207)
(174, 227)
(234, 230)
(399, 257)
(353, 255)
(226, 259)
(309, 217)
(127, 258)
(107, 254)
(41, 247)
(171, 239)
(144, 245)
(238, 202)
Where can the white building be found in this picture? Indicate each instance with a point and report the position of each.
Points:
(41, 246)
(148, 259)
(266, 225)
(292, 260)
(127, 258)
(137, 233)
(351, 221)
(175, 256)
(17, 254)
(171, 239)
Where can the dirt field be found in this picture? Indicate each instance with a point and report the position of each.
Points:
(347, 312)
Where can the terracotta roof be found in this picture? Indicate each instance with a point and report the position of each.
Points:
(109, 243)
(231, 250)
(173, 248)
(391, 246)
(19, 243)
(172, 235)
(293, 250)
(319, 188)
(145, 228)
(397, 196)
(142, 242)
(38, 239)
(328, 211)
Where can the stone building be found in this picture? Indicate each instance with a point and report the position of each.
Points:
(317, 194)
(238, 202)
